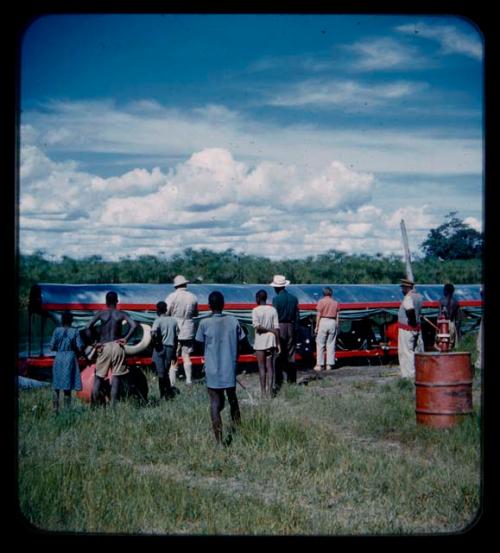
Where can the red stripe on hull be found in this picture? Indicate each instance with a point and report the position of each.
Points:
(240, 306)
(46, 362)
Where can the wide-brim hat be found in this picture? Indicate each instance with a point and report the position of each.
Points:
(406, 282)
(179, 280)
(279, 281)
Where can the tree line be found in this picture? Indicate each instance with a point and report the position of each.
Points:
(205, 266)
(453, 253)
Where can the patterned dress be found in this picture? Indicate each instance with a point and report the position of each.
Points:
(66, 342)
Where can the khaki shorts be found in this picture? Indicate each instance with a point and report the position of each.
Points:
(112, 356)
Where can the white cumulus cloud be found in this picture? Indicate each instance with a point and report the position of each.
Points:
(451, 39)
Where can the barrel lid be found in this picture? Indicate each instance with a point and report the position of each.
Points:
(441, 353)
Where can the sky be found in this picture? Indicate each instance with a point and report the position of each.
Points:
(276, 135)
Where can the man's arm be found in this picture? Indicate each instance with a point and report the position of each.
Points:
(318, 319)
(297, 316)
(94, 320)
(409, 307)
(132, 326)
(412, 318)
(97, 317)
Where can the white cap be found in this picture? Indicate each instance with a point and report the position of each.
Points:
(279, 281)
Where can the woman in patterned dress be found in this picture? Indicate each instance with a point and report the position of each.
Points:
(67, 343)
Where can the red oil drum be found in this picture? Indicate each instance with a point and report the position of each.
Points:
(443, 383)
(87, 376)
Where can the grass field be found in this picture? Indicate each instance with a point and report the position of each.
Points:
(340, 456)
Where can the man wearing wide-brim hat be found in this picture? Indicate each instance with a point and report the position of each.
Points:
(183, 306)
(287, 307)
(409, 332)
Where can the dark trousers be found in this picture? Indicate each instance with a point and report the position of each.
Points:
(217, 402)
(285, 363)
(162, 360)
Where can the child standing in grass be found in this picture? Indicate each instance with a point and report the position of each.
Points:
(220, 335)
(68, 345)
(165, 330)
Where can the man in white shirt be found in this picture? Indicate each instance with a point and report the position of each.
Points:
(183, 306)
(409, 333)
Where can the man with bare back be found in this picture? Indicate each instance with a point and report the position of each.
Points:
(110, 348)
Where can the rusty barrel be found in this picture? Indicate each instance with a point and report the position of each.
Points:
(443, 383)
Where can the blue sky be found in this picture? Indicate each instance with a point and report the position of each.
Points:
(277, 135)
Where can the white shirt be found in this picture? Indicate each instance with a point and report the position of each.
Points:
(265, 316)
(183, 306)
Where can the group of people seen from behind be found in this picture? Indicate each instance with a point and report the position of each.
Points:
(173, 335)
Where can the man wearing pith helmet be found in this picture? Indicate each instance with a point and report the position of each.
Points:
(409, 333)
(287, 306)
(183, 306)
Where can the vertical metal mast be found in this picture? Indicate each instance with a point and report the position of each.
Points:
(409, 272)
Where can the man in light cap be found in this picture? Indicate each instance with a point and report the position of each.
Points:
(409, 334)
(287, 307)
(183, 306)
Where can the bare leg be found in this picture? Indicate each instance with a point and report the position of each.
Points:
(270, 361)
(67, 398)
(216, 406)
(115, 389)
(261, 361)
(55, 401)
(96, 391)
(172, 372)
(233, 404)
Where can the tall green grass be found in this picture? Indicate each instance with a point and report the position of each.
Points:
(330, 458)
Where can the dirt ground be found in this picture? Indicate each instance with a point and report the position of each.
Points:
(340, 378)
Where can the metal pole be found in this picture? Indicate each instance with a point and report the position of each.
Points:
(409, 272)
(30, 316)
(42, 330)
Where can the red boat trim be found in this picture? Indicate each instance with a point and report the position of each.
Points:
(240, 306)
(46, 362)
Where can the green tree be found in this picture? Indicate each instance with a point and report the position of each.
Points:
(453, 240)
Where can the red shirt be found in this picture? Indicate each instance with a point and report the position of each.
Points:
(327, 307)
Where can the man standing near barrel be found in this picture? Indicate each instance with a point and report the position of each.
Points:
(409, 333)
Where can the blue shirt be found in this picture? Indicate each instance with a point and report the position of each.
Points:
(220, 335)
(169, 329)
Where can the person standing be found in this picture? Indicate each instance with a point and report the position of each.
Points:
(183, 306)
(164, 331)
(449, 308)
(409, 332)
(287, 307)
(68, 345)
(220, 335)
(326, 330)
(267, 342)
(110, 348)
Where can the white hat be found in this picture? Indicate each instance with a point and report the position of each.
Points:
(179, 280)
(279, 281)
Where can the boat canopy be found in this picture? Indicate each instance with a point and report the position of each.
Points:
(140, 300)
(357, 302)
(145, 296)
